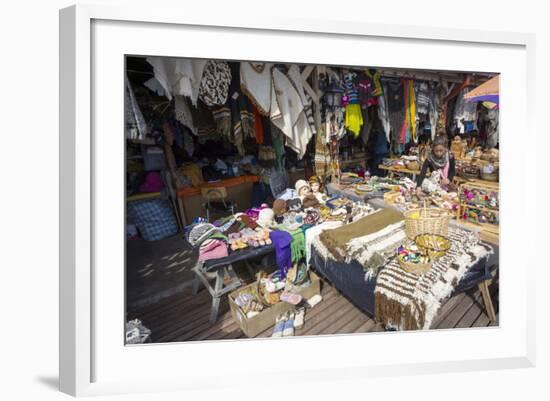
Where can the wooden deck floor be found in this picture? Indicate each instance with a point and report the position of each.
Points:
(184, 317)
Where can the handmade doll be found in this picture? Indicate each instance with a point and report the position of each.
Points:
(316, 190)
(302, 189)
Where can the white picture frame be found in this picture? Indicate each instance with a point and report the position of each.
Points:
(92, 38)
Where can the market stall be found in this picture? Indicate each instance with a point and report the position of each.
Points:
(300, 156)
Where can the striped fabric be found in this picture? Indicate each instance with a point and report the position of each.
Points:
(308, 109)
(409, 302)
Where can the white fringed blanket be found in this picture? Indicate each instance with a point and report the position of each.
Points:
(409, 302)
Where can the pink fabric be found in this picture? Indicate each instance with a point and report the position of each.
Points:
(212, 249)
(445, 174)
(153, 183)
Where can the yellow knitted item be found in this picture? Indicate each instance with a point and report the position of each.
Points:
(354, 118)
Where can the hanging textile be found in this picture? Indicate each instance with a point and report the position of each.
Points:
(441, 125)
(136, 127)
(256, 84)
(354, 119)
(267, 155)
(242, 118)
(383, 114)
(215, 81)
(278, 140)
(422, 98)
(434, 107)
(308, 110)
(296, 80)
(370, 88)
(351, 84)
(410, 111)
(322, 155)
(188, 143)
(396, 112)
(465, 112)
(286, 113)
(258, 125)
(206, 126)
(183, 113)
(222, 118)
(178, 76)
(376, 79)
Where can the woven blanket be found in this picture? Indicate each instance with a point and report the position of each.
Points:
(409, 302)
(337, 240)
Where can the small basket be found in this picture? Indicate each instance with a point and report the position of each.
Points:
(489, 176)
(429, 221)
(414, 268)
(433, 245)
(413, 165)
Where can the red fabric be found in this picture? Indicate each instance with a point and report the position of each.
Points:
(258, 126)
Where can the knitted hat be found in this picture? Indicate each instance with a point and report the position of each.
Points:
(265, 219)
(200, 232)
(279, 207)
(299, 185)
(212, 249)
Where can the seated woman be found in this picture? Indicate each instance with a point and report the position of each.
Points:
(440, 161)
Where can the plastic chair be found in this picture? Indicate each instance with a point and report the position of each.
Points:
(215, 201)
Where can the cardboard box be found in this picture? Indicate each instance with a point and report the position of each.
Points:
(266, 318)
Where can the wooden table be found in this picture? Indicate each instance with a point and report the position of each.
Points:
(394, 170)
(362, 162)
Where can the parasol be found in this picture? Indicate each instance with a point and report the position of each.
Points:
(486, 92)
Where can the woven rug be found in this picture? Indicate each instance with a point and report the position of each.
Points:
(371, 240)
(409, 302)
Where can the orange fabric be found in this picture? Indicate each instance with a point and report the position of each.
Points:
(258, 126)
(227, 183)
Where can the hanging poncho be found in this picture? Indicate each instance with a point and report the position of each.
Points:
(215, 82)
(287, 113)
(178, 76)
(256, 84)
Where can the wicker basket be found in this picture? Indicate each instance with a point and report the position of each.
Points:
(435, 246)
(414, 268)
(489, 176)
(426, 221)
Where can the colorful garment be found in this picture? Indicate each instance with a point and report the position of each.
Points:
(354, 119)
(410, 110)
(215, 81)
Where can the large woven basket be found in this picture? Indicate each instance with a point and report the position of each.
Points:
(426, 220)
(414, 268)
